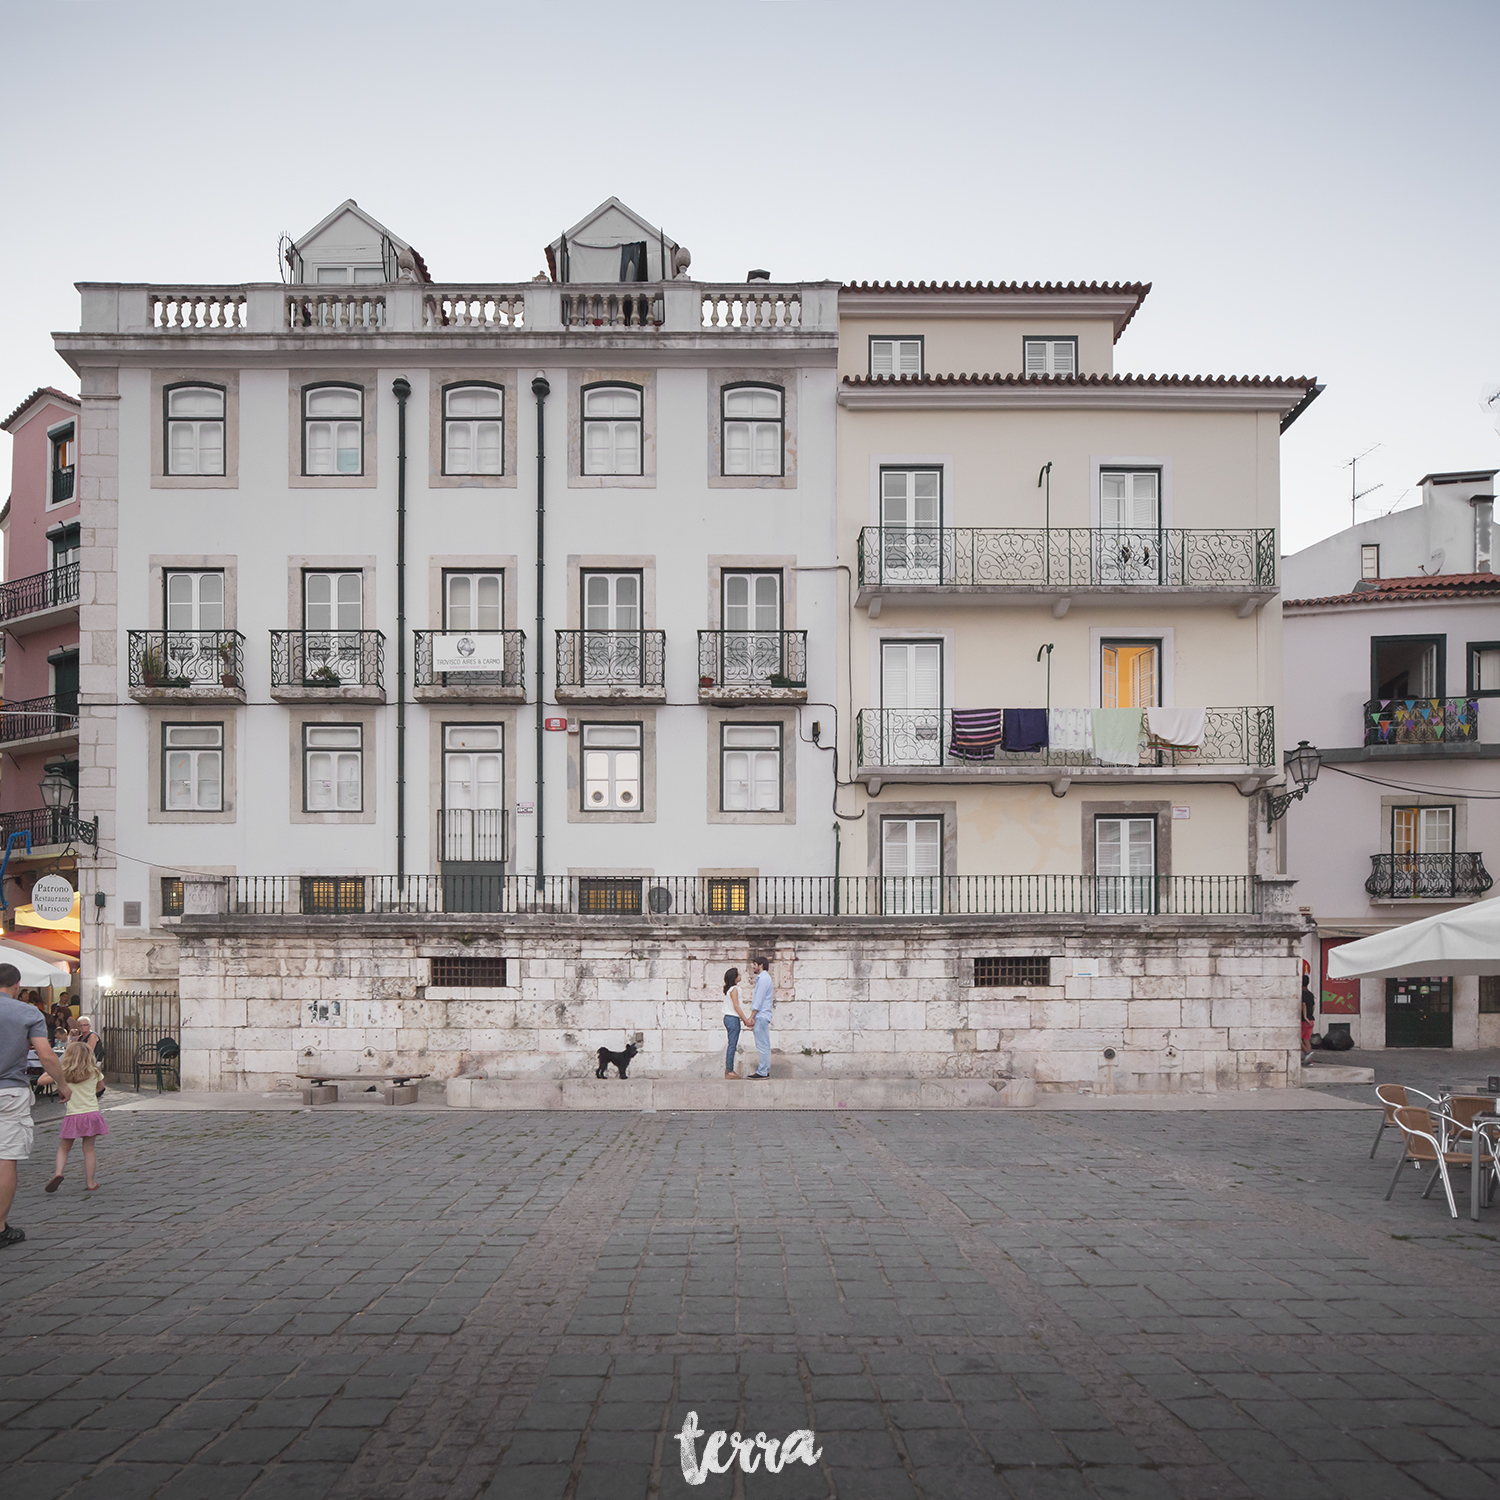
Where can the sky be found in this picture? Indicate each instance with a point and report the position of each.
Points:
(1310, 188)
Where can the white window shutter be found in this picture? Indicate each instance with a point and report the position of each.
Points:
(911, 357)
(1111, 500)
(895, 861)
(768, 448)
(927, 848)
(736, 448)
(882, 357)
(1062, 357)
(929, 664)
(767, 781)
(1036, 356)
(210, 448)
(895, 675)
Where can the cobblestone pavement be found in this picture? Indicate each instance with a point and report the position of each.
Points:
(526, 1307)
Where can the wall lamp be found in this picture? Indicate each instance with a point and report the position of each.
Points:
(1304, 764)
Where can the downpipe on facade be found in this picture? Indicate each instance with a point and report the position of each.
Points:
(401, 389)
(540, 389)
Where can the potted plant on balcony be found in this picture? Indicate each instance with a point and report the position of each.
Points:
(324, 676)
(153, 666)
(706, 680)
(227, 674)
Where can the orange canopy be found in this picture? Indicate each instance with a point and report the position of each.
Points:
(59, 942)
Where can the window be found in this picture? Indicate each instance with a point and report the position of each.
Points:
(611, 767)
(911, 703)
(473, 793)
(473, 601)
(1020, 973)
(729, 896)
(911, 518)
(64, 458)
(1051, 356)
(1484, 669)
(1406, 667)
(333, 429)
(1125, 864)
(1422, 830)
(1489, 994)
(332, 768)
(192, 767)
(751, 647)
(468, 973)
(752, 601)
(171, 895)
(613, 645)
(331, 896)
(911, 864)
(473, 429)
(612, 424)
(343, 275)
(1129, 674)
(752, 417)
(599, 895)
(1128, 546)
(750, 768)
(896, 356)
(66, 545)
(1369, 560)
(195, 429)
(332, 619)
(194, 601)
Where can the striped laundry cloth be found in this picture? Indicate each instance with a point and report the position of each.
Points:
(976, 733)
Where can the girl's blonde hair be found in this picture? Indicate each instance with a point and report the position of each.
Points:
(78, 1062)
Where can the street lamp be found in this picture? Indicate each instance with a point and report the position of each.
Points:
(1303, 765)
(57, 789)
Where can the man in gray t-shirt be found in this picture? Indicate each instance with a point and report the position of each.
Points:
(23, 1028)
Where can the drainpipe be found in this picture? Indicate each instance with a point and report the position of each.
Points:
(401, 388)
(540, 389)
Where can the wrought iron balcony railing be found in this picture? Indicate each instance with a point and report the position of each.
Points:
(1427, 877)
(1067, 557)
(34, 718)
(62, 484)
(186, 658)
(50, 590)
(905, 737)
(510, 644)
(603, 659)
(471, 835)
(327, 658)
(666, 896)
(46, 825)
(753, 662)
(1422, 721)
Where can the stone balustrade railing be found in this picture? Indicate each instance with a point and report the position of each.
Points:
(637, 309)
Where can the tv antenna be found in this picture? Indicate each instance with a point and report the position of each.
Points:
(1489, 399)
(1355, 493)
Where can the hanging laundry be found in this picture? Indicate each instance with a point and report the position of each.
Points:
(976, 732)
(1175, 728)
(1117, 736)
(1069, 729)
(1025, 729)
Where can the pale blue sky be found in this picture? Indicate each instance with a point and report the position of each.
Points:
(1311, 187)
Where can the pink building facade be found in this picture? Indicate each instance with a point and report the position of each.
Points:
(39, 618)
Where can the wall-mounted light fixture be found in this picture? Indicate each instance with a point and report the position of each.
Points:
(1303, 765)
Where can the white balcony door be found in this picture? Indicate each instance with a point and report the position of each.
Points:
(1129, 542)
(911, 518)
(474, 601)
(333, 616)
(611, 623)
(1125, 864)
(195, 603)
(911, 701)
(473, 793)
(1422, 830)
(911, 865)
(752, 622)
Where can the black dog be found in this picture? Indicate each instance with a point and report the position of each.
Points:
(621, 1060)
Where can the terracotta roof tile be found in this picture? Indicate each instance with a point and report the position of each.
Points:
(41, 390)
(1414, 590)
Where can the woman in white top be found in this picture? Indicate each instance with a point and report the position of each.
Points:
(735, 1016)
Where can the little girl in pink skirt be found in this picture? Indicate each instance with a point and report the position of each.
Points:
(83, 1122)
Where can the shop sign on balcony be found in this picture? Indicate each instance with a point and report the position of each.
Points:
(468, 653)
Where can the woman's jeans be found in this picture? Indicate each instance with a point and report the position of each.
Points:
(732, 1026)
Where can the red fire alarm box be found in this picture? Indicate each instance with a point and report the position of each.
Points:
(554, 723)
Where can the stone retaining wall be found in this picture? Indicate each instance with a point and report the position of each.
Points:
(1185, 1003)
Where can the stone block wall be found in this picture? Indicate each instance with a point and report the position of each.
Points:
(1184, 1004)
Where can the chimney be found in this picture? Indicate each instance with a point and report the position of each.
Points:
(1484, 526)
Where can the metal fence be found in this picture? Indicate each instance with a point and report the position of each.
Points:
(752, 661)
(186, 658)
(1422, 721)
(764, 895)
(511, 675)
(128, 1020)
(34, 718)
(327, 658)
(611, 658)
(1427, 877)
(49, 590)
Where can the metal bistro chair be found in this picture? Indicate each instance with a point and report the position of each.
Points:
(158, 1057)
(1393, 1096)
(1425, 1142)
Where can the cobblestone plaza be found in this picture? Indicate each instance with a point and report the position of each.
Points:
(1120, 1304)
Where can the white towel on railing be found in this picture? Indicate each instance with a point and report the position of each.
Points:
(1069, 729)
(1176, 728)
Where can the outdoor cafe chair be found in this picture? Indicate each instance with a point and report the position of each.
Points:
(1393, 1096)
(1424, 1143)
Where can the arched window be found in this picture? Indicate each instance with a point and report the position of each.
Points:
(333, 429)
(612, 424)
(753, 428)
(194, 429)
(473, 429)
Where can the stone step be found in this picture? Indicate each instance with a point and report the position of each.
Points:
(1317, 1074)
(668, 1094)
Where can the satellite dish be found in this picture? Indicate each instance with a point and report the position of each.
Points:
(659, 899)
(1489, 399)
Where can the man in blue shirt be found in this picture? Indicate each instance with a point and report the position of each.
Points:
(23, 1029)
(760, 1009)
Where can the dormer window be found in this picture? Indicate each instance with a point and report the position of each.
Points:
(64, 459)
(195, 429)
(896, 357)
(333, 429)
(1051, 356)
(343, 275)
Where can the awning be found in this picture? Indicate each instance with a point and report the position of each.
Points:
(64, 943)
(26, 917)
(1463, 941)
(37, 972)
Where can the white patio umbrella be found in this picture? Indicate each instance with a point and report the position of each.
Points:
(1465, 941)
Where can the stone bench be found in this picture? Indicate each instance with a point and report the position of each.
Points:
(396, 1088)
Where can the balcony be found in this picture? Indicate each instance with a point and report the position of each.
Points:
(318, 666)
(48, 826)
(1427, 877)
(762, 666)
(186, 666)
(611, 666)
(62, 485)
(42, 600)
(40, 723)
(918, 745)
(1039, 567)
(497, 676)
(1414, 727)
